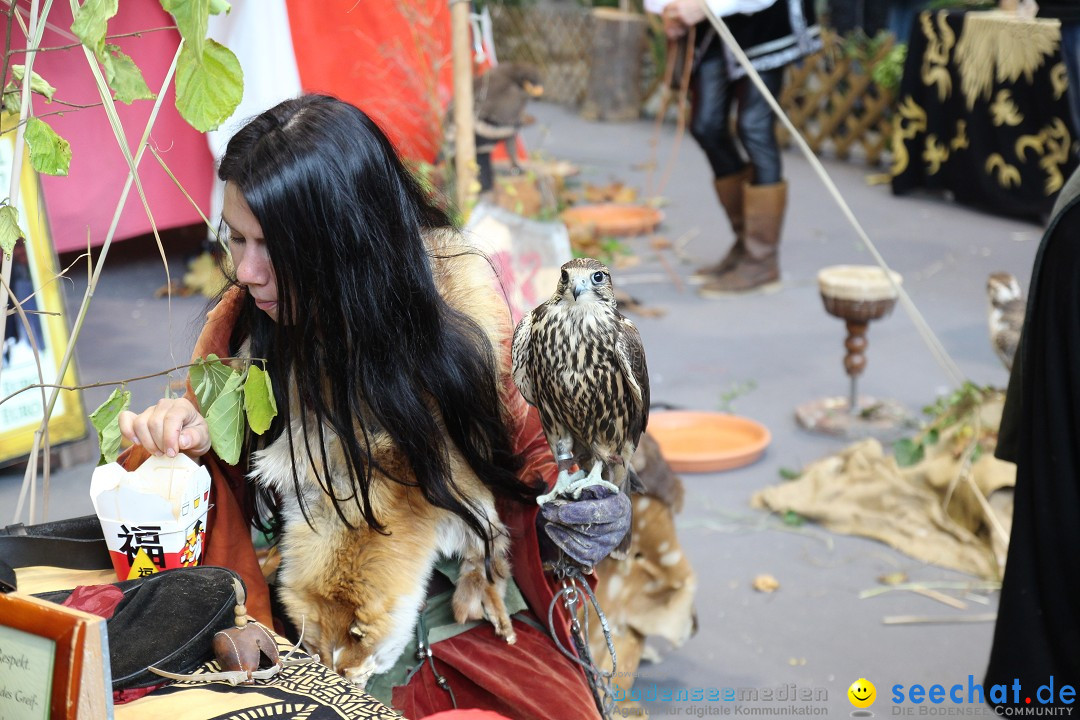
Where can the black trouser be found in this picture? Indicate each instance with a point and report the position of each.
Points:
(713, 96)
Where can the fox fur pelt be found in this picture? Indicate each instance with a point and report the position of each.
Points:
(358, 592)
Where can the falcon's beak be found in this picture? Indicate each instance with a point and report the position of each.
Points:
(580, 285)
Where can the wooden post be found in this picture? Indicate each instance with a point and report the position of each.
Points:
(465, 140)
(614, 89)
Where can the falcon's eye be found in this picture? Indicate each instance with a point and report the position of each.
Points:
(564, 277)
(598, 277)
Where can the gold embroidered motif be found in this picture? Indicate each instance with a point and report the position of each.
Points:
(935, 65)
(960, 139)
(1051, 146)
(1004, 111)
(909, 121)
(1059, 80)
(1007, 175)
(1001, 46)
(934, 155)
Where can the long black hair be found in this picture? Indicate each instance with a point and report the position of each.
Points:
(372, 344)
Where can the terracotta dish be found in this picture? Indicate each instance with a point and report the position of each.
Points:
(613, 218)
(694, 441)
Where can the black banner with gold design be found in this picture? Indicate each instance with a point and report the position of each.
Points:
(982, 112)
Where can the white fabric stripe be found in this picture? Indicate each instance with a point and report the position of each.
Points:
(258, 32)
(720, 7)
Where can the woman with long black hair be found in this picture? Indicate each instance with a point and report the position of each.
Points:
(389, 362)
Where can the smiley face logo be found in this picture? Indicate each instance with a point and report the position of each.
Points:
(862, 693)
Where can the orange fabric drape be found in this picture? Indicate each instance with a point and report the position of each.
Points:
(391, 59)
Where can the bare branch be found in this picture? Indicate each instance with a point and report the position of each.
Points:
(112, 383)
(54, 278)
(137, 33)
(57, 112)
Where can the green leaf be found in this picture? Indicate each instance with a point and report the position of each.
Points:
(38, 84)
(793, 519)
(208, 87)
(12, 99)
(789, 474)
(259, 403)
(219, 6)
(10, 232)
(225, 420)
(932, 437)
(208, 377)
(49, 153)
(908, 452)
(124, 76)
(106, 421)
(191, 19)
(91, 23)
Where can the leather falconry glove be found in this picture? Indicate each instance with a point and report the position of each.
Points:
(589, 528)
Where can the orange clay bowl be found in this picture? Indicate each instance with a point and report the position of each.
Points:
(695, 441)
(614, 218)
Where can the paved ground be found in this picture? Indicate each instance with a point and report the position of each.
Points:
(814, 632)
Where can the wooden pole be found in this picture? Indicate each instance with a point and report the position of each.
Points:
(465, 140)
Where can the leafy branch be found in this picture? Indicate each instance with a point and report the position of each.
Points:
(209, 87)
(226, 396)
(733, 393)
(953, 416)
(111, 383)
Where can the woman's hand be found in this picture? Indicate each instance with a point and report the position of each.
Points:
(171, 426)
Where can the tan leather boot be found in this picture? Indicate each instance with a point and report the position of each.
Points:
(759, 267)
(729, 191)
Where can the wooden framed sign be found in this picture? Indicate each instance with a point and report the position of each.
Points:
(33, 276)
(54, 661)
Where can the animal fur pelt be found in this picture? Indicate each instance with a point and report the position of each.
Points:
(358, 592)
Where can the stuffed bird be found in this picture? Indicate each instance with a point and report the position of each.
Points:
(500, 96)
(502, 92)
(582, 364)
(1007, 308)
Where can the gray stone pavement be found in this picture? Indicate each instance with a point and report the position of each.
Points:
(813, 632)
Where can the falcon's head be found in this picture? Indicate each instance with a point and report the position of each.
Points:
(584, 280)
(1002, 288)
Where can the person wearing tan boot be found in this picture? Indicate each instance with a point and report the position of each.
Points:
(759, 265)
(730, 192)
(751, 190)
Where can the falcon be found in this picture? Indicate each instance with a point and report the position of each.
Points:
(1007, 308)
(582, 364)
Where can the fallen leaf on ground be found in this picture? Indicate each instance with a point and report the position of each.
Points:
(766, 583)
(177, 287)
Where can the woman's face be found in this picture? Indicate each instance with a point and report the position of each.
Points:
(249, 255)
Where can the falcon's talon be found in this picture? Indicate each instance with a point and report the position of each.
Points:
(564, 481)
(578, 487)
